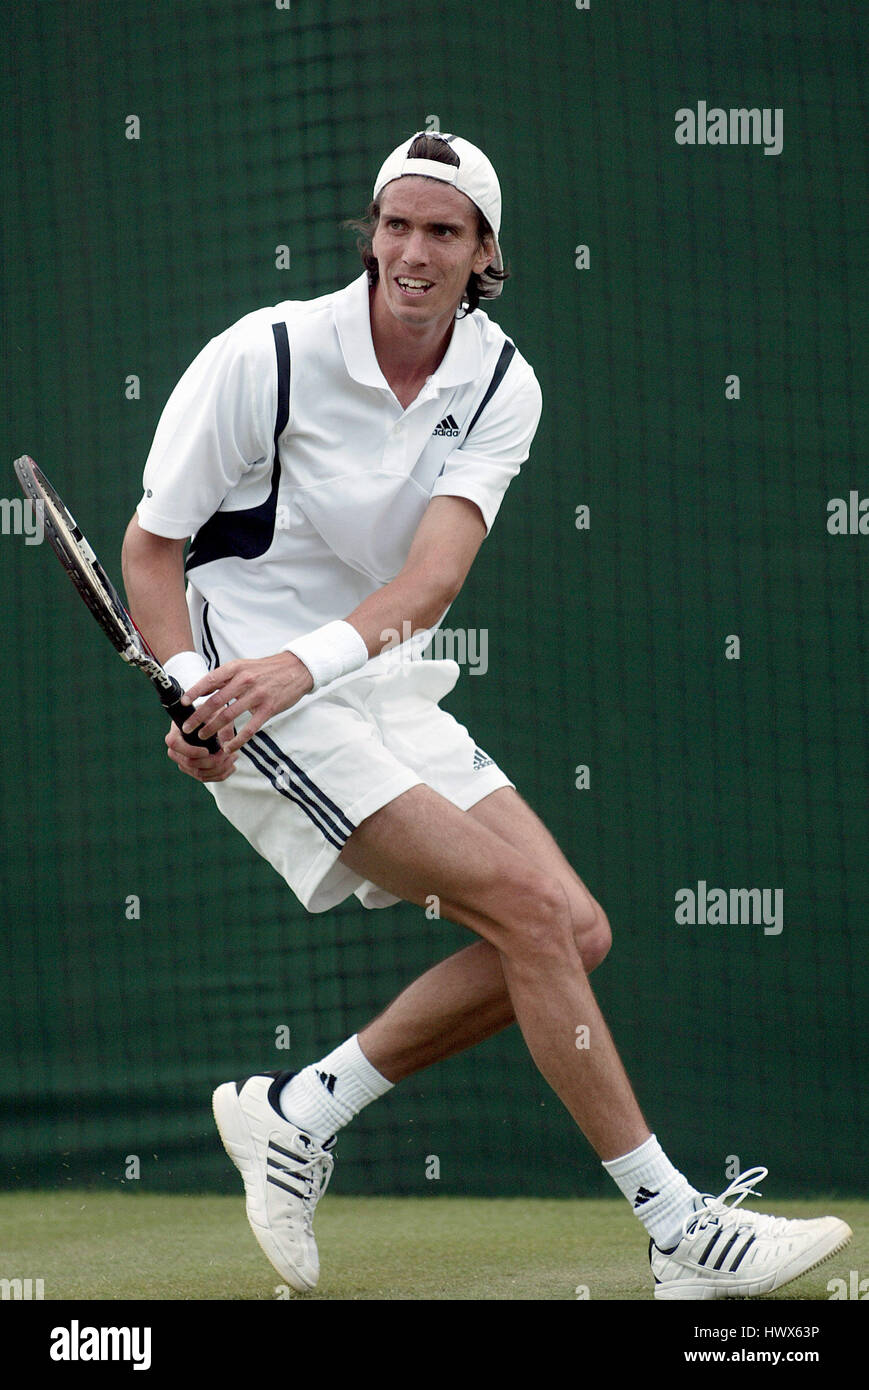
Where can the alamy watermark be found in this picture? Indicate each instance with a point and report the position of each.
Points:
(468, 646)
(77, 1343)
(739, 125)
(731, 907)
(855, 1288)
(848, 517)
(21, 1290)
(19, 516)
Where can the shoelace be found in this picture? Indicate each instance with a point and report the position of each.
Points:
(314, 1173)
(722, 1211)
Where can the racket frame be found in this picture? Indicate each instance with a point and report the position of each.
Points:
(80, 562)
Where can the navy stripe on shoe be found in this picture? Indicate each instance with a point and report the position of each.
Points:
(738, 1261)
(721, 1258)
(279, 778)
(286, 1186)
(285, 1153)
(282, 1168)
(708, 1251)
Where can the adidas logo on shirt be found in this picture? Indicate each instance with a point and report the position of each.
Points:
(447, 427)
(481, 759)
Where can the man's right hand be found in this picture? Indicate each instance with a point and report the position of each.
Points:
(198, 762)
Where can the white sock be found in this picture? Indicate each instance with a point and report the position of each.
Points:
(659, 1194)
(325, 1096)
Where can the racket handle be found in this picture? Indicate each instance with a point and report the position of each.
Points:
(179, 714)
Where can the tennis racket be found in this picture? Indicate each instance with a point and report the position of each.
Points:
(100, 595)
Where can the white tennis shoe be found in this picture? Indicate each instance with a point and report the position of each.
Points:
(730, 1253)
(285, 1173)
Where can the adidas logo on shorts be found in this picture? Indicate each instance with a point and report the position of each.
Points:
(447, 427)
(481, 759)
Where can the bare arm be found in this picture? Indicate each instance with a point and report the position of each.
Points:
(153, 569)
(443, 549)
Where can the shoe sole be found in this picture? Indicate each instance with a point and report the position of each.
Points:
(238, 1141)
(831, 1244)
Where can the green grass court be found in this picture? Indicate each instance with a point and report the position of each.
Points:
(129, 1245)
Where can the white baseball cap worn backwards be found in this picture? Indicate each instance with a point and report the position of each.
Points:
(473, 176)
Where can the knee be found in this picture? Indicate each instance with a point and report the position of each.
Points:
(541, 920)
(591, 932)
(549, 920)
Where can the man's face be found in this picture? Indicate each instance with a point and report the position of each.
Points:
(426, 246)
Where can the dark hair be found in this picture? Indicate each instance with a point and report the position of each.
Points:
(478, 286)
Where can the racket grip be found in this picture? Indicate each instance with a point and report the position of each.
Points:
(179, 714)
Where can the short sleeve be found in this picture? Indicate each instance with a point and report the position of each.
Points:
(499, 442)
(217, 424)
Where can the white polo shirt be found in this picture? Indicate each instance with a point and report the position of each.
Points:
(301, 479)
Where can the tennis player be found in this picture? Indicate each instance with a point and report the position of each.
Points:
(338, 463)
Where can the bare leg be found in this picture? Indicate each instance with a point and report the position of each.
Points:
(458, 1003)
(464, 999)
(421, 844)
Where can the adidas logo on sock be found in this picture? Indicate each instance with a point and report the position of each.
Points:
(328, 1080)
(447, 427)
(643, 1196)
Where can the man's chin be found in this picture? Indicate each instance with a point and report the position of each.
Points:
(424, 308)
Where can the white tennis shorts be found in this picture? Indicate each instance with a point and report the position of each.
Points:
(310, 776)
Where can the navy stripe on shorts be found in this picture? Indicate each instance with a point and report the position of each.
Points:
(288, 778)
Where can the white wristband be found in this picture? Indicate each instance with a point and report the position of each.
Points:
(187, 668)
(330, 651)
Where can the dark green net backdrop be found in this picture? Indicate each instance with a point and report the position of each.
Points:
(263, 127)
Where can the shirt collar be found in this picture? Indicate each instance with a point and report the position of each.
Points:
(463, 360)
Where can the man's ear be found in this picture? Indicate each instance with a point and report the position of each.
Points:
(485, 255)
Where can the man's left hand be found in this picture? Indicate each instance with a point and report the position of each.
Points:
(260, 687)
